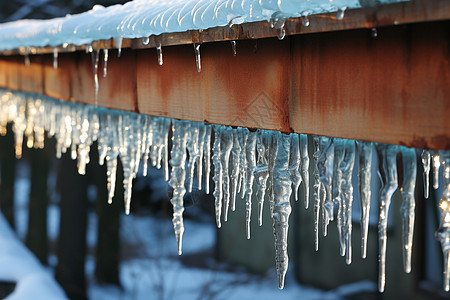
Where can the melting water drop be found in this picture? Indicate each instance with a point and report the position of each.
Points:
(305, 19)
(373, 32)
(105, 62)
(159, 54)
(197, 57)
(278, 21)
(145, 41)
(55, 58)
(341, 13)
(233, 47)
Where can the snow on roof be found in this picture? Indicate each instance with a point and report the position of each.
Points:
(142, 18)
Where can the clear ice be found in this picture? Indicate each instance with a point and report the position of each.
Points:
(269, 164)
(426, 161)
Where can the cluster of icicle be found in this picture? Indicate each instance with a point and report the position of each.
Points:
(268, 164)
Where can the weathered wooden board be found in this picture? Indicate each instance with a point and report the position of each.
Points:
(394, 88)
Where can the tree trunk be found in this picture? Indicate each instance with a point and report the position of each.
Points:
(72, 234)
(8, 175)
(37, 207)
(108, 243)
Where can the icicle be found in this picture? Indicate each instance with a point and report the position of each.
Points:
(443, 233)
(178, 174)
(194, 153)
(305, 166)
(226, 143)
(233, 47)
(261, 170)
(147, 143)
(201, 145)
(19, 127)
(388, 154)
(218, 180)
(294, 164)
(55, 58)
(105, 62)
(341, 12)
(317, 189)
(282, 207)
(160, 56)
(274, 141)
(197, 57)
(277, 21)
(27, 59)
(118, 42)
(365, 150)
(243, 135)
(95, 58)
(436, 166)
(83, 147)
(235, 153)
(159, 151)
(426, 161)
(408, 204)
(339, 153)
(325, 168)
(347, 195)
(207, 156)
(250, 175)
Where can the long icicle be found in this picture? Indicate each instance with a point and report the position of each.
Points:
(178, 176)
(235, 152)
(443, 233)
(294, 164)
(365, 150)
(347, 195)
(339, 153)
(226, 144)
(388, 154)
(207, 155)
(426, 161)
(217, 161)
(317, 188)
(282, 207)
(408, 204)
(325, 167)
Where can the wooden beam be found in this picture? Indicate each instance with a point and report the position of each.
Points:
(392, 89)
(413, 11)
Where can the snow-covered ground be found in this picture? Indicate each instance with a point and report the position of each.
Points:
(150, 267)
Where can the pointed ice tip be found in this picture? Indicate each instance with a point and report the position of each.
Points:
(281, 281)
(110, 201)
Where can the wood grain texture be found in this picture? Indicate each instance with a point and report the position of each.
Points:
(394, 88)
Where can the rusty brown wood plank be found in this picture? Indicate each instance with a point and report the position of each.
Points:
(385, 15)
(250, 89)
(391, 89)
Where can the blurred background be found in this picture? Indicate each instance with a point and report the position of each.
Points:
(96, 252)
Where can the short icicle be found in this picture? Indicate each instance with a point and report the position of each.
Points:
(282, 207)
(426, 161)
(159, 54)
(105, 62)
(178, 175)
(226, 143)
(365, 150)
(95, 58)
(305, 166)
(250, 175)
(55, 58)
(443, 233)
(388, 154)
(408, 204)
(261, 170)
(118, 42)
(218, 180)
(197, 57)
